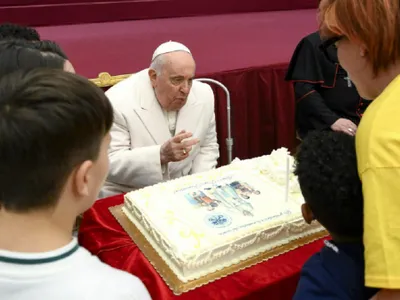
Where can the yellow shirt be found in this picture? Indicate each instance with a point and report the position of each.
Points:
(378, 155)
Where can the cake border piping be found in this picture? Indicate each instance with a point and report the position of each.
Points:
(179, 287)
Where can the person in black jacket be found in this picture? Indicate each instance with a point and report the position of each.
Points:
(326, 99)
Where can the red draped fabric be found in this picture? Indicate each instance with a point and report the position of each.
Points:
(276, 278)
(263, 111)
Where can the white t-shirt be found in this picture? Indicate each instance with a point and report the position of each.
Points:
(68, 273)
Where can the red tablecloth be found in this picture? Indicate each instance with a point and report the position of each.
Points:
(274, 279)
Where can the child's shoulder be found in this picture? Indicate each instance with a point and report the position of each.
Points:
(333, 272)
(108, 282)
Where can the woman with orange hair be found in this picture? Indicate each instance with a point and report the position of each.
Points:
(367, 36)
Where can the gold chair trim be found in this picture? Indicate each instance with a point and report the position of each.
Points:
(106, 80)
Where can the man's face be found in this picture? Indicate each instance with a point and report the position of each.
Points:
(172, 86)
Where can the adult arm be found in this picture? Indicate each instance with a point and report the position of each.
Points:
(312, 106)
(381, 192)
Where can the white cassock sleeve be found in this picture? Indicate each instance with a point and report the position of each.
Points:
(208, 155)
(133, 167)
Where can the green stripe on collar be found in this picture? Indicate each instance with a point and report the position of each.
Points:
(35, 261)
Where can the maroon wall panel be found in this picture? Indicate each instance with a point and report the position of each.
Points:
(57, 12)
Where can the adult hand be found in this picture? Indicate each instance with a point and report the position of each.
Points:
(345, 126)
(178, 147)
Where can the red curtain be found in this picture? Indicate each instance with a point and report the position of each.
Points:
(262, 111)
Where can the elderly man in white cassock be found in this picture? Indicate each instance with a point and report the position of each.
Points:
(164, 123)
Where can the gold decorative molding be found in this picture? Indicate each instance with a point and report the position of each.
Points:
(106, 80)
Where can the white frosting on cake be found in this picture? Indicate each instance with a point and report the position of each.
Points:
(274, 166)
(205, 222)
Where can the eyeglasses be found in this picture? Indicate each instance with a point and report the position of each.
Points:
(328, 47)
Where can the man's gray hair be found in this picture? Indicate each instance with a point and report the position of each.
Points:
(158, 63)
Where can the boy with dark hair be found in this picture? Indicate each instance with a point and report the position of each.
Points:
(47, 46)
(48, 49)
(19, 32)
(326, 167)
(54, 136)
(13, 59)
(53, 49)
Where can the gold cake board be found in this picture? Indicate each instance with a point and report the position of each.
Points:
(177, 286)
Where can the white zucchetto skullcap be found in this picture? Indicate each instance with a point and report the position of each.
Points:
(169, 47)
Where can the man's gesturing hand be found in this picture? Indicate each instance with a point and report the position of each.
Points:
(177, 148)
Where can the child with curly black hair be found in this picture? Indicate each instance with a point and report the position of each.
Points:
(326, 167)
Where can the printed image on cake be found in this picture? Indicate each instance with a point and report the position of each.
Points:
(232, 195)
(206, 222)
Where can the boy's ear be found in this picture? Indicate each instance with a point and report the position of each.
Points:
(307, 213)
(81, 179)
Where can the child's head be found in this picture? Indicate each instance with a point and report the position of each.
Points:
(16, 55)
(53, 141)
(326, 167)
(51, 47)
(20, 32)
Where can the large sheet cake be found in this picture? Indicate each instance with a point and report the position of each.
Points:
(205, 222)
